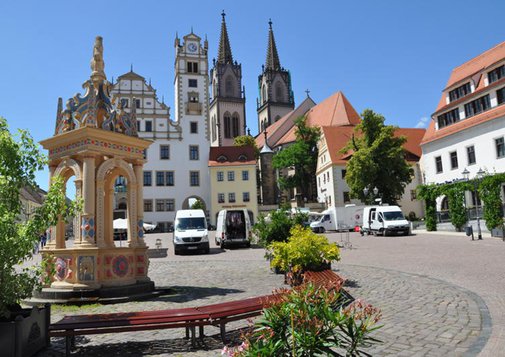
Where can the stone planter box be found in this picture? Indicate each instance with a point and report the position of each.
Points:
(26, 334)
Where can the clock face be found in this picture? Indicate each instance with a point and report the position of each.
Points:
(192, 47)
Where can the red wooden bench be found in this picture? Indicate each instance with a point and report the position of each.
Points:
(331, 281)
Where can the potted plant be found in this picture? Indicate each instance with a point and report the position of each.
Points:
(304, 250)
(22, 331)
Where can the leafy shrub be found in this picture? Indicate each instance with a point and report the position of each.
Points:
(303, 250)
(276, 227)
(310, 321)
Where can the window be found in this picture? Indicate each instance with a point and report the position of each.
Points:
(438, 164)
(193, 152)
(194, 178)
(164, 152)
(192, 83)
(496, 74)
(149, 126)
(220, 197)
(148, 205)
(192, 67)
(137, 103)
(500, 147)
(477, 106)
(165, 205)
(220, 176)
(343, 174)
(138, 125)
(231, 175)
(245, 197)
(245, 175)
(476, 198)
(500, 94)
(145, 154)
(347, 198)
(231, 197)
(125, 102)
(214, 125)
(470, 151)
(227, 125)
(193, 127)
(193, 97)
(413, 195)
(165, 178)
(454, 159)
(460, 92)
(448, 118)
(148, 178)
(235, 125)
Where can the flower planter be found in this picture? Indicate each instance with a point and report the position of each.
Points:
(27, 333)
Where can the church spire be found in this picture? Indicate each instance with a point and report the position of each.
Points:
(224, 55)
(272, 62)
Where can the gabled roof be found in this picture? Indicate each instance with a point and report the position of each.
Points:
(278, 129)
(337, 137)
(335, 111)
(477, 64)
(432, 134)
(131, 75)
(231, 155)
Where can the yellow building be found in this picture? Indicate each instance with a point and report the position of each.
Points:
(233, 185)
(31, 199)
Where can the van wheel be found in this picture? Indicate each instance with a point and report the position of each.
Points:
(177, 252)
(248, 245)
(222, 245)
(321, 230)
(384, 233)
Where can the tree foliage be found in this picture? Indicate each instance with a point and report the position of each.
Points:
(300, 156)
(456, 195)
(247, 140)
(20, 159)
(198, 205)
(378, 160)
(429, 194)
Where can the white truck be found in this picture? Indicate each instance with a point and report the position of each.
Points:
(339, 219)
(233, 227)
(190, 231)
(384, 220)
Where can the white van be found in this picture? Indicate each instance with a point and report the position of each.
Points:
(338, 219)
(233, 227)
(190, 231)
(384, 220)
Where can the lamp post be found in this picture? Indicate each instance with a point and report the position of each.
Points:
(476, 180)
(375, 192)
(466, 175)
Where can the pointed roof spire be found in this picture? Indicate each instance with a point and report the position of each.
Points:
(97, 64)
(266, 149)
(224, 54)
(272, 56)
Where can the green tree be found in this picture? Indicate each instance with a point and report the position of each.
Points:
(20, 159)
(378, 160)
(198, 205)
(247, 140)
(457, 210)
(302, 156)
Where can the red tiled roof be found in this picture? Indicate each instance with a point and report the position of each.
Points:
(338, 137)
(432, 134)
(231, 155)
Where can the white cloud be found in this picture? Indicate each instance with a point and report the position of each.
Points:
(422, 123)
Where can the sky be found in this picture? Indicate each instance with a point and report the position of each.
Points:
(392, 56)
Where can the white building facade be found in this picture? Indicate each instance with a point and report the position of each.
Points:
(176, 168)
(467, 130)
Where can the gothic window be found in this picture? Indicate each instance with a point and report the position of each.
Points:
(264, 94)
(228, 86)
(235, 125)
(214, 128)
(227, 125)
(279, 93)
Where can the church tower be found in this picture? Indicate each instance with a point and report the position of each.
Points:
(274, 83)
(227, 107)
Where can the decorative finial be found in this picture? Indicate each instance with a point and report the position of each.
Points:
(112, 80)
(270, 23)
(223, 15)
(307, 91)
(191, 28)
(248, 132)
(97, 64)
(131, 67)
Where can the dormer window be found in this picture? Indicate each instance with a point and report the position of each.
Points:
(460, 92)
(222, 158)
(448, 118)
(477, 106)
(496, 74)
(242, 157)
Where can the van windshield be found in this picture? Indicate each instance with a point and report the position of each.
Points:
(190, 223)
(393, 216)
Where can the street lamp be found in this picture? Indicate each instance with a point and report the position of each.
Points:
(476, 180)
(375, 192)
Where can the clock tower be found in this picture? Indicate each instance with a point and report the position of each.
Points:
(274, 83)
(227, 107)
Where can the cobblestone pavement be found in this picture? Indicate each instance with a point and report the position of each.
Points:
(423, 314)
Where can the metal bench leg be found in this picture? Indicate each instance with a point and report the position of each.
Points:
(187, 333)
(222, 327)
(193, 337)
(68, 342)
(200, 330)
